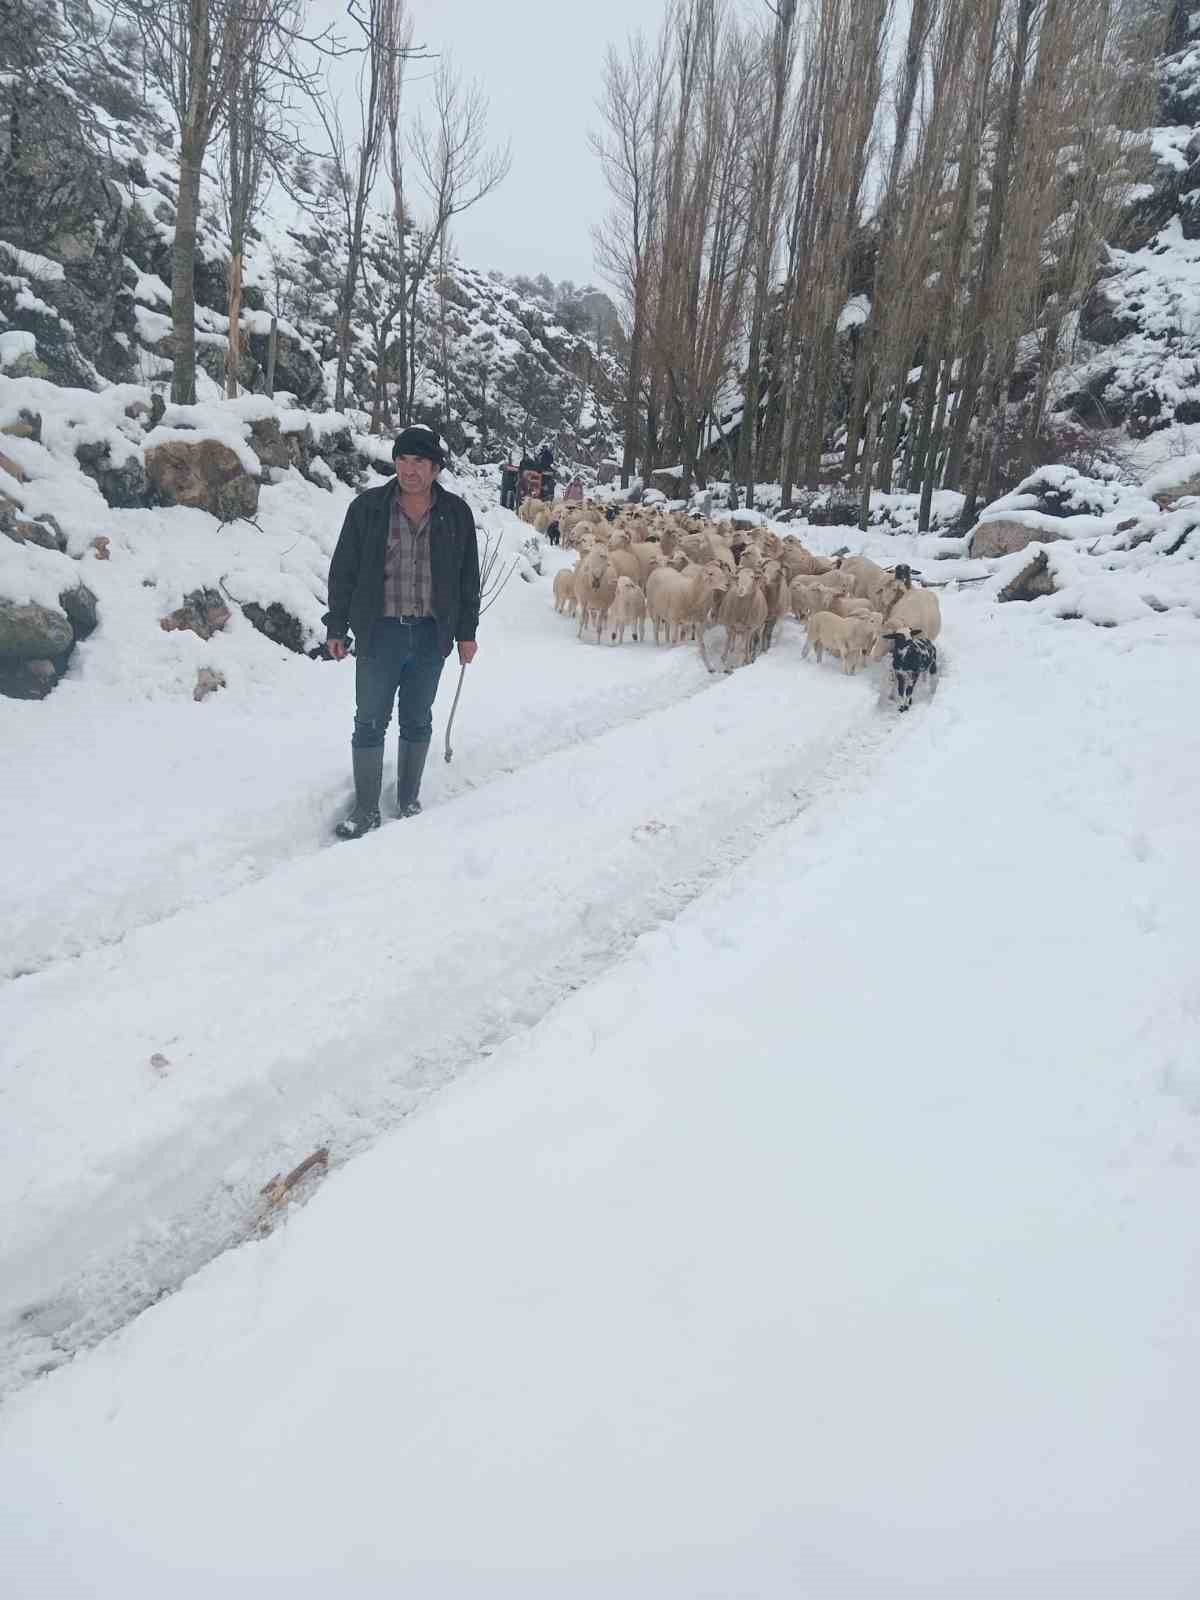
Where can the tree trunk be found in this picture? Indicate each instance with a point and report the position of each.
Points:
(870, 445)
(933, 444)
(183, 277)
(891, 430)
(343, 345)
(233, 356)
(1178, 24)
(981, 306)
(819, 408)
(981, 455)
(633, 386)
(858, 399)
(272, 345)
(920, 428)
(748, 429)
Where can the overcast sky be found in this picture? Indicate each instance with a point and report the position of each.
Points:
(539, 62)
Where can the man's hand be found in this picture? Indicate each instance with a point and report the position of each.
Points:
(466, 651)
(336, 649)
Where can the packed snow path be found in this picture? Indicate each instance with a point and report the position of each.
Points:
(320, 1003)
(835, 1241)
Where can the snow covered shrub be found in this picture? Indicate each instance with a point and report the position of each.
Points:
(1058, 443)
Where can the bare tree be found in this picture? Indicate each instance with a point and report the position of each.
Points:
(187, 46)
(702, 243)
(830, 146)
(634, 107)
(260, 38)
(383, 303)
(766, 200)
(386, 42)
(456, 168)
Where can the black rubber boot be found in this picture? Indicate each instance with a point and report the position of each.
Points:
(410, 764)
(368, 780)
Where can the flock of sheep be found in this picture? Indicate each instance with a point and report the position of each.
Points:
(683, 574)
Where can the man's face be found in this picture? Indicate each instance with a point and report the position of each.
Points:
(416, 475)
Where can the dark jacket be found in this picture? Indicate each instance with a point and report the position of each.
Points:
(356, 571)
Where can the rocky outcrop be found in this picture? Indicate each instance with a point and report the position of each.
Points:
(203, 473)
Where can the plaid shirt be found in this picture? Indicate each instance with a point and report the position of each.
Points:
(407, 569)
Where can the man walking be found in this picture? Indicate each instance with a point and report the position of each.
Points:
(405, 580)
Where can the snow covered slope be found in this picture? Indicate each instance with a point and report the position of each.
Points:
(1136, 366)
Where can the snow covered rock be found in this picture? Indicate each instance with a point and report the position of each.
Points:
(1000, 536)
(34, 644)
(273, 447)
(668, 481)
(277, 623)
(122, 483)
(208, 681)
(203, 613)
(31, 631)
(1032, 582)
(41, 530)
(81, 607)
(26, 425)
(13, 468)
(204, 473)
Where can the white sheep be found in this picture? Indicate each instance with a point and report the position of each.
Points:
(565, 601)
(778, 596)
(744, 615)
(870, 580)
(676, 601)
(810, 595)
(849, 638)
(595, 586)
(628, 610)
(621, 556)
(844, 605)
(800, 562)
(913, 610)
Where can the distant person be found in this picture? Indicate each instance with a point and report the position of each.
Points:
(405, 579)
(509, 479)
(545, 458)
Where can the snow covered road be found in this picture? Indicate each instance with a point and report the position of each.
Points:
(320, 1003)
(832, 1238)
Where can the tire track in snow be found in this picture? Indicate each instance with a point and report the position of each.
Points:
(260, 843)
(384, 973)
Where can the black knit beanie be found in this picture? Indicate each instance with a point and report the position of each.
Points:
(419, 441)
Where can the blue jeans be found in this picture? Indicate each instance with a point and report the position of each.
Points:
(402, 662)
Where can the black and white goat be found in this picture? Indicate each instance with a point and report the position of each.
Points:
(913, 657)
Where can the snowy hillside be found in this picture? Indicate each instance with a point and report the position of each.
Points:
(1136, 368)
(756, 1126)
(89, 277)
